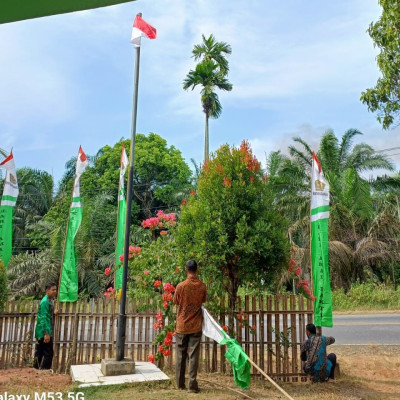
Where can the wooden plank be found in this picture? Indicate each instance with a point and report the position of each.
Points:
(261, 330)
(278, 369)
(286, 341)
(65, 321)
(269, 336)
(247, 328)
(293, 326)
(254, 335)
(90, 331)
(222, 351)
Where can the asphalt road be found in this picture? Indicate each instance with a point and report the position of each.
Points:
(365, 329)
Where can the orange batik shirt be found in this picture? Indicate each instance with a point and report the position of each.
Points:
(189, 296)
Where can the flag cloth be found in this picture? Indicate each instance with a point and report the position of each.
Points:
(69, 273)
(7, 204)
(121, 220)
(142, 28)
(235, 354)
(320, 246)
(11, 10)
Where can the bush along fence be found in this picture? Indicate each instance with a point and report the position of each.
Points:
(270, 329)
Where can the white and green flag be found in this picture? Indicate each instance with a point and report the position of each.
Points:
(320, 246)
(235, 354)
(121, 221)
(69, 272)
(7, 204)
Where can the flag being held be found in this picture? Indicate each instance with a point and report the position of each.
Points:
(235, 354)
(142, 28)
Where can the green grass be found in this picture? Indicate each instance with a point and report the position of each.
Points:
(366, 296)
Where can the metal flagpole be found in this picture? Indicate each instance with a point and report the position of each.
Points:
(122, 316)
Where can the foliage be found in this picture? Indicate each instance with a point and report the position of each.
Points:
(384, 97)
(230, 228)
(3, 286)
(366, 296)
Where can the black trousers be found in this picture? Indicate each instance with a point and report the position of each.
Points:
(332, 358)
(43, 354)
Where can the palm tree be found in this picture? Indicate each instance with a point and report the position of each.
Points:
(211, 50)
(353, 243)
(208, 75)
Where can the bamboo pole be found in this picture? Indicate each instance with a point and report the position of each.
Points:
(270, 379)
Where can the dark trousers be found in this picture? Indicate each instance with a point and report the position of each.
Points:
(332, 358)
(187, 347)
(43, 354)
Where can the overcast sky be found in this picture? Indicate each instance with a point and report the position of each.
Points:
(297, 68)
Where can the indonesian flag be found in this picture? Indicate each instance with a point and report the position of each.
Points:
(142, 28)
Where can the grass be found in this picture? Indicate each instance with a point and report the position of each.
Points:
(366, 297)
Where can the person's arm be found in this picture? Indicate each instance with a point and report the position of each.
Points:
(43, 320)
(330, 340)
(177, 297)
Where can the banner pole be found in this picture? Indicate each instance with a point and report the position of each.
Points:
(122, 313)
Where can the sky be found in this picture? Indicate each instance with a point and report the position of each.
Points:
(297, 67)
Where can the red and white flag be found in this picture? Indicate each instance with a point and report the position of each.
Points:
(142, 28)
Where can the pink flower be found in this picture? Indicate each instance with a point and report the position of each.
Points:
(107, 271)
(169, 288)
(106, 294)
(162, 233)
(298, 271)
(110, 289)
(146, 272)
(159, 315)
(151, 358)
(121, 258)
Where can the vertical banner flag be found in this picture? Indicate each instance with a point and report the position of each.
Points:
(7, 204)
(235, 354)
(69, 273)
(319, 246)
(121, 220)
(142, 28)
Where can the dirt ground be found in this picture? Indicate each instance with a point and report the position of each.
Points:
(367, 372)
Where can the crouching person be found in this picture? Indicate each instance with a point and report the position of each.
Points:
(318, 365)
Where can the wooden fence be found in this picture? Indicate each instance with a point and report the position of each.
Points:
(85, 332)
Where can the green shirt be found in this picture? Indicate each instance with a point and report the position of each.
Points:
(45, 312)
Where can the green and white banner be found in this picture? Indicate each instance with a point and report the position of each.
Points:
(7, 204)
(235, 354)
(119, 248)
(320, 246)
(69, 272)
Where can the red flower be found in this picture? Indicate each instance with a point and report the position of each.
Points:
(192, 192)
(252, 178)
(106, 294)
(107, 271)
(159, 315)
(253, 327)
(110, 289)
(165, 305)
(177, 270)
(146, 272)
(162, 233)
(166, 352)
(121, 258)
(151, 358)
(168, 339)
(160, 348)
(298, 271)
(169, 288)
(183, 202)
(167, 296)
(225, 328)
(157, 284)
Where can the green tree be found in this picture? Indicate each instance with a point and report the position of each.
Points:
(3, 286)
(210, 74)
(384, 98)
(230, 228)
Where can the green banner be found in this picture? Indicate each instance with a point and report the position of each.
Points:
(320, 272)
(69, 276)
(17, 10)
(6, 227)
(120, 239)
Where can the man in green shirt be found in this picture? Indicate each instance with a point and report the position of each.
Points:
(43, 332)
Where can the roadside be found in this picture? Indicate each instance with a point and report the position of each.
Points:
(367, 372)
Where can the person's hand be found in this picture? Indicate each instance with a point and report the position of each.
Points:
(56, 311)
(46, 338)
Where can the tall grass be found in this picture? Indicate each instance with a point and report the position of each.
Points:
(366, 296)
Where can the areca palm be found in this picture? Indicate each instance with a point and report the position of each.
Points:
(208, 75)
(211, 50)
